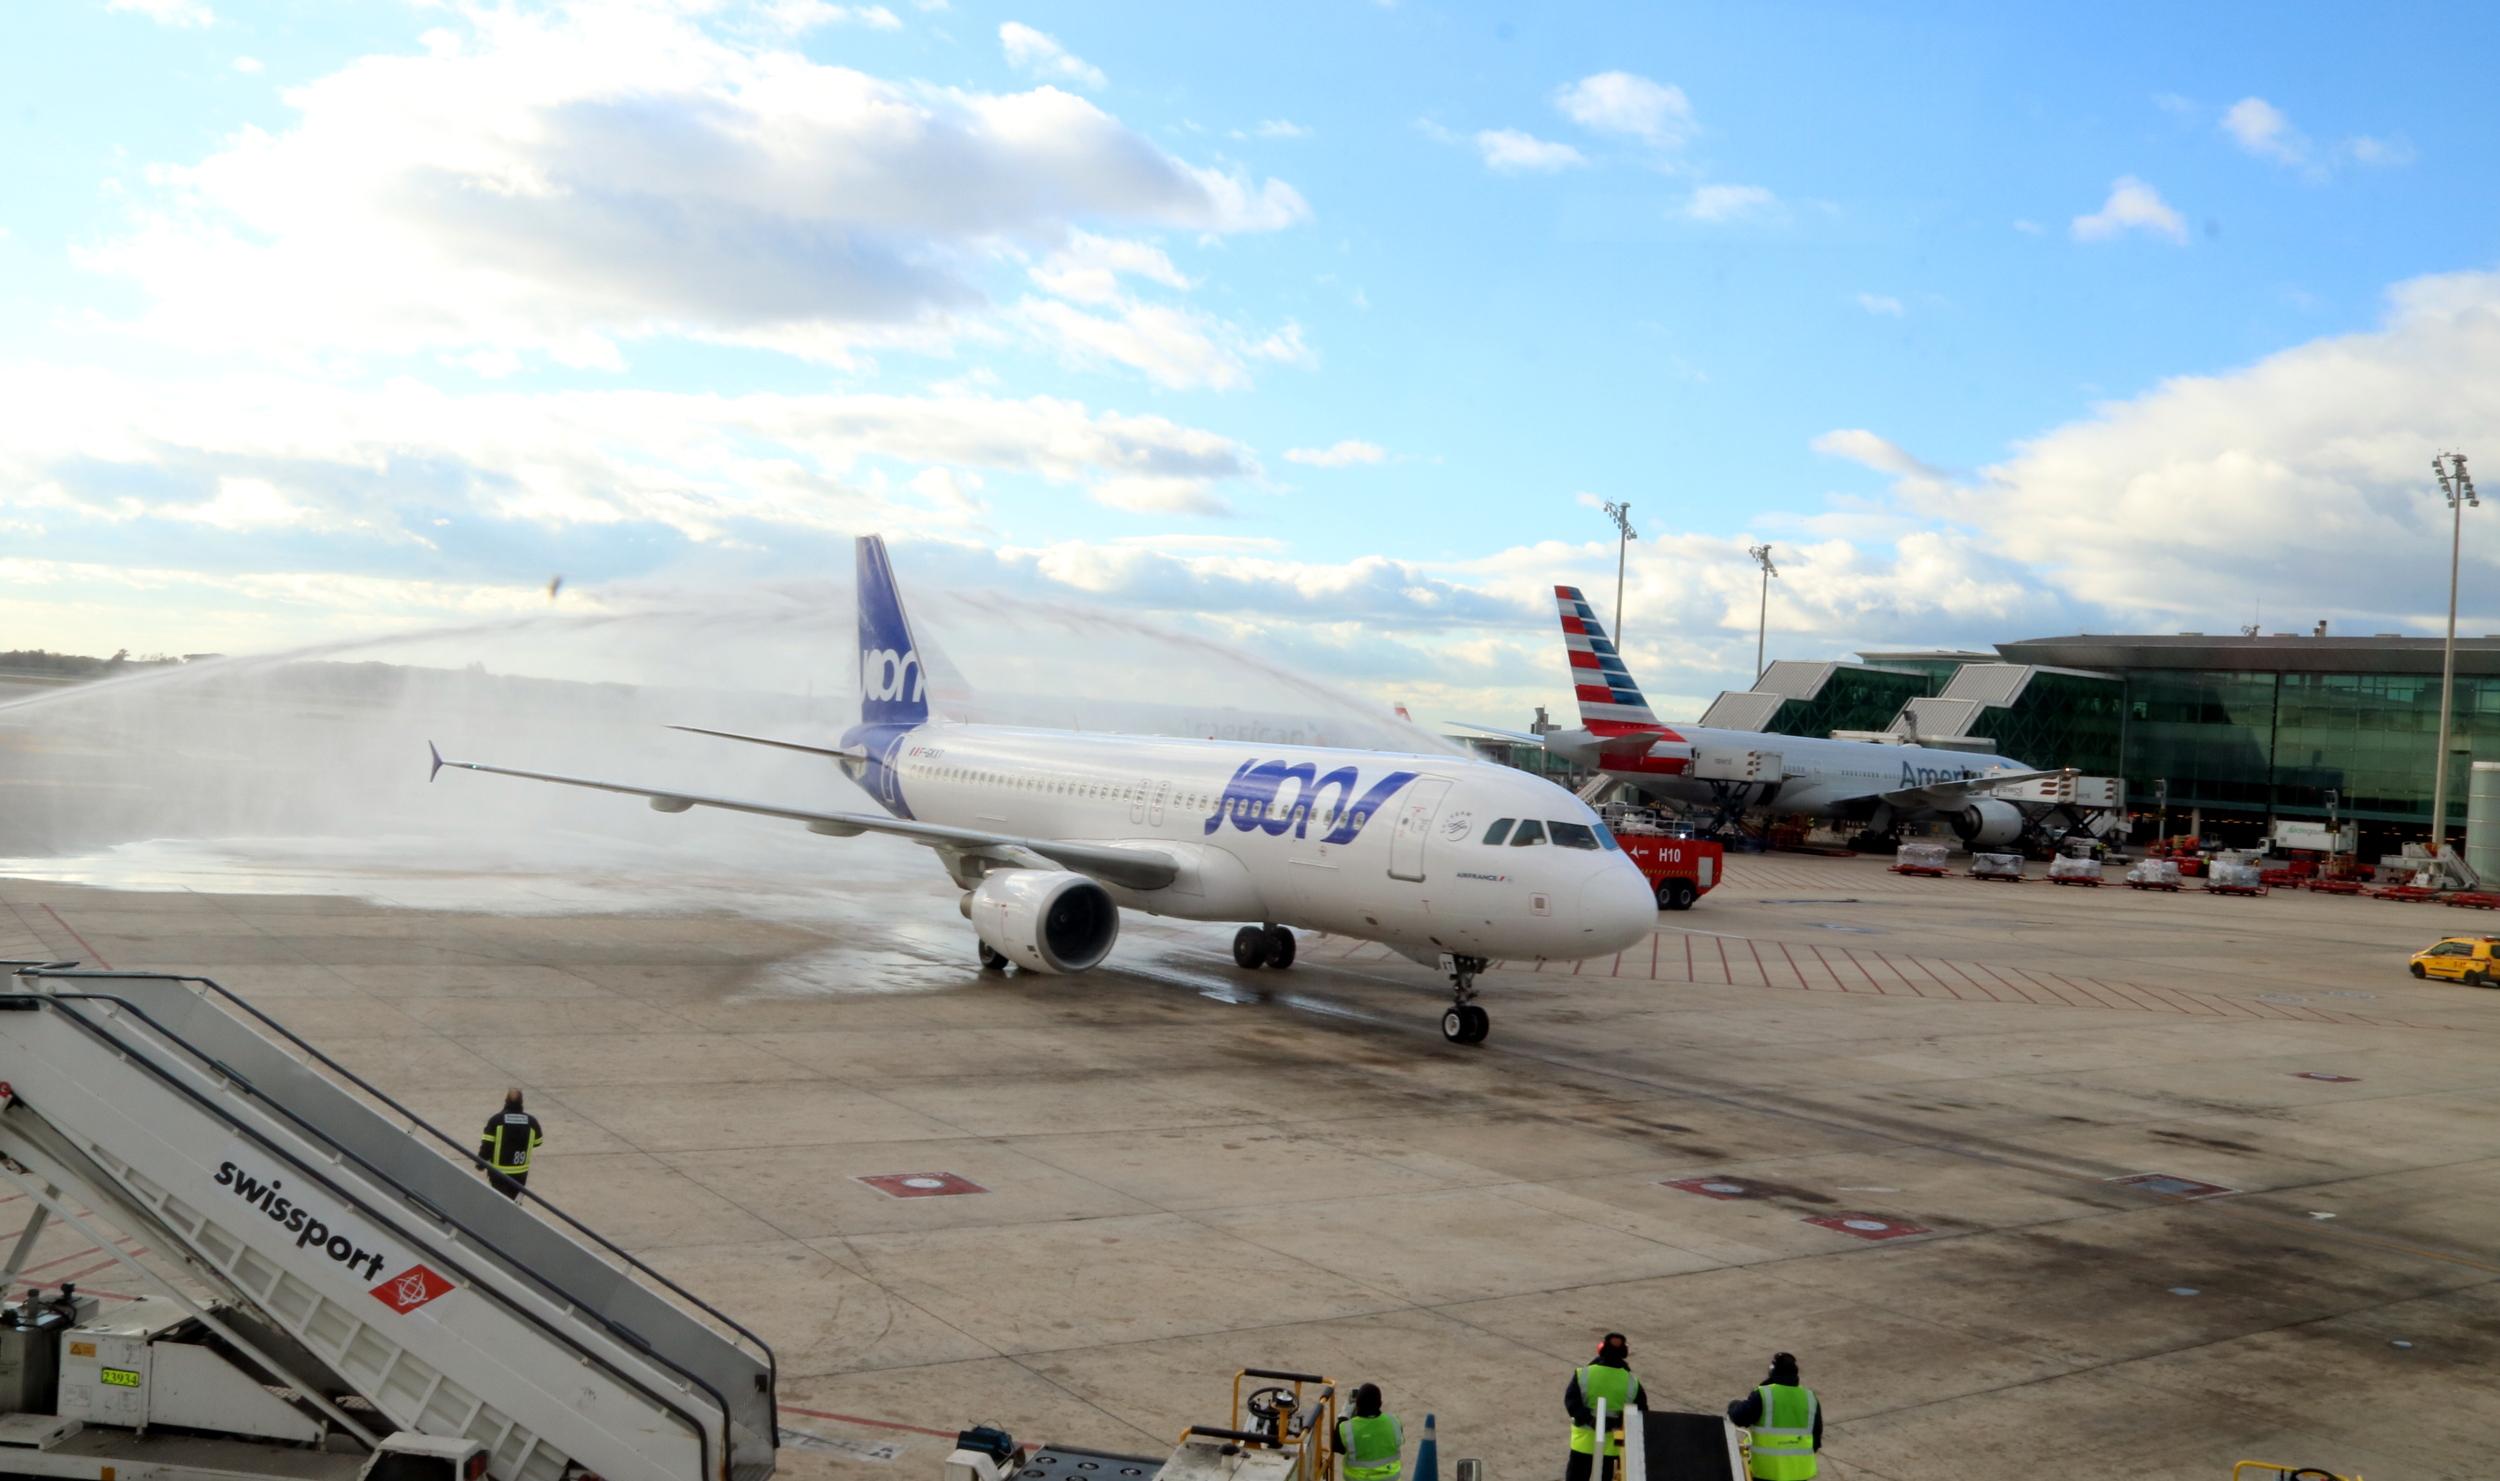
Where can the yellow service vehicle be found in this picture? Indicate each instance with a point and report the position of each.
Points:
(2466, 959)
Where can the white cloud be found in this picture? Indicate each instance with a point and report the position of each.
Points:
(796, 17)
(2303, 472)
(182, 13)
(1629, 104)
(1718, 204)
(1881, 304)
(1174, 347)
(2029, 228)
(559, 186)
(2132, 206)
(2363, 149)
(1514, 152)
(1273, 128)
(1040, 54)
(1884, 456)
(244, 452)
(1343, 455)
(2264, 131)
(1088, 269)
(247, 65)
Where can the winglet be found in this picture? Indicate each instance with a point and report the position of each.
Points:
(436, 769)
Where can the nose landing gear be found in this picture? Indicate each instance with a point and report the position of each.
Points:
(1464, 1022)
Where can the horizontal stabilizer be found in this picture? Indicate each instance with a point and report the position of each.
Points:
(855, 753)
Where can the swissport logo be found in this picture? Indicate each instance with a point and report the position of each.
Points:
(886, 674)
(411, 1288)
(328, 1233)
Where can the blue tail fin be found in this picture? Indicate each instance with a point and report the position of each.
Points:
(893, 683)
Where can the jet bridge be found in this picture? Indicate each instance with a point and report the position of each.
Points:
(363, 1273)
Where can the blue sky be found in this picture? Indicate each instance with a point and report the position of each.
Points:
(1318, 327)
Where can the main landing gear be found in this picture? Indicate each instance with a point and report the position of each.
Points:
(1262, 946)
(1464, 1023)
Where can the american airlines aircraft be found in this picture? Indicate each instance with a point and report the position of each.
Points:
(1451, 861)
(1875, 785)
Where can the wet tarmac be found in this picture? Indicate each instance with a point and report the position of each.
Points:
(1878, 1122)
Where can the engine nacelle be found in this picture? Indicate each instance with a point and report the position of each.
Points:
(1989, 823)
(1044, 920)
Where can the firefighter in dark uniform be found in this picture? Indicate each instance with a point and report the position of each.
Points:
(511, 1136)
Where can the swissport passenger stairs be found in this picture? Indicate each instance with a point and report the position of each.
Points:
(375, 1263)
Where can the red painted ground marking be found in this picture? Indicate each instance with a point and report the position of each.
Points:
(77, 1255)
(1653, 971)
(1895, 969)
(1867, 1226)
(1862, 972)
(1827, 966)
(2133, 994)
(1974, 982)
(2324, 1078)
(83, 1274)
(2108, 1000)
(1575, 971)
(1791, 959)
(1757, 961)
(1618, 967)
(94, 955)
(1688, 975)
(1724, 976)
(874, 1424)
(921, 1184)
(2001, 982)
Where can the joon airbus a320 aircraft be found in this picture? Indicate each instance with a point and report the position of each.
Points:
(1453, 862)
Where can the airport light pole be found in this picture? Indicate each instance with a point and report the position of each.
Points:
(1621, 514)
(1762, 623)
(2458, 485)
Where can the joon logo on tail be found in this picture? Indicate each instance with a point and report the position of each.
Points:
(886, 674)
(1278, 797)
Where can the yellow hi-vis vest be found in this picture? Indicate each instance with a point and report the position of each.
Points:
(1369, 1448)
(508, 1142)
(1618, 1388)
(1783, 1437)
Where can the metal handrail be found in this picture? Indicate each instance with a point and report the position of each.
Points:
(772, 1361)
(57, 1002)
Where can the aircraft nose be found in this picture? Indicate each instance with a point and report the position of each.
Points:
(1616, 907)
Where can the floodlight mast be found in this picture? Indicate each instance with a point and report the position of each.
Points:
(1621, 514)
(1762, 621)
(2458, 486)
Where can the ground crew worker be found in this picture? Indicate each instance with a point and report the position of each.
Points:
(1787, 1423)
(1368, 1441)
(511, 1136)
(1608, 1378)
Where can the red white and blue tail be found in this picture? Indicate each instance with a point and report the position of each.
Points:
(1610, 703)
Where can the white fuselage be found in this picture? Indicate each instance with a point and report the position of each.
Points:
(1821, 777)
(1317, 837)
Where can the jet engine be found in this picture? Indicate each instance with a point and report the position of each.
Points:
(1044, 920)
(1989, 823)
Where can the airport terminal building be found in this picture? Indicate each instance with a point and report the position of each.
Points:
(2242, 729)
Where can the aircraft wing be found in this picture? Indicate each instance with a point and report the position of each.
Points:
(1142, 868)
(1528, 736)
(1941, 795)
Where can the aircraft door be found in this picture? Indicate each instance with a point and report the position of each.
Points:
(1154, 809)
(1414, 826)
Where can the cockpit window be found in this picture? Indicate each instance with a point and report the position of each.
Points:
(1529, 832)
(1573, 835)
(1606, 839)
(1499, 831)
